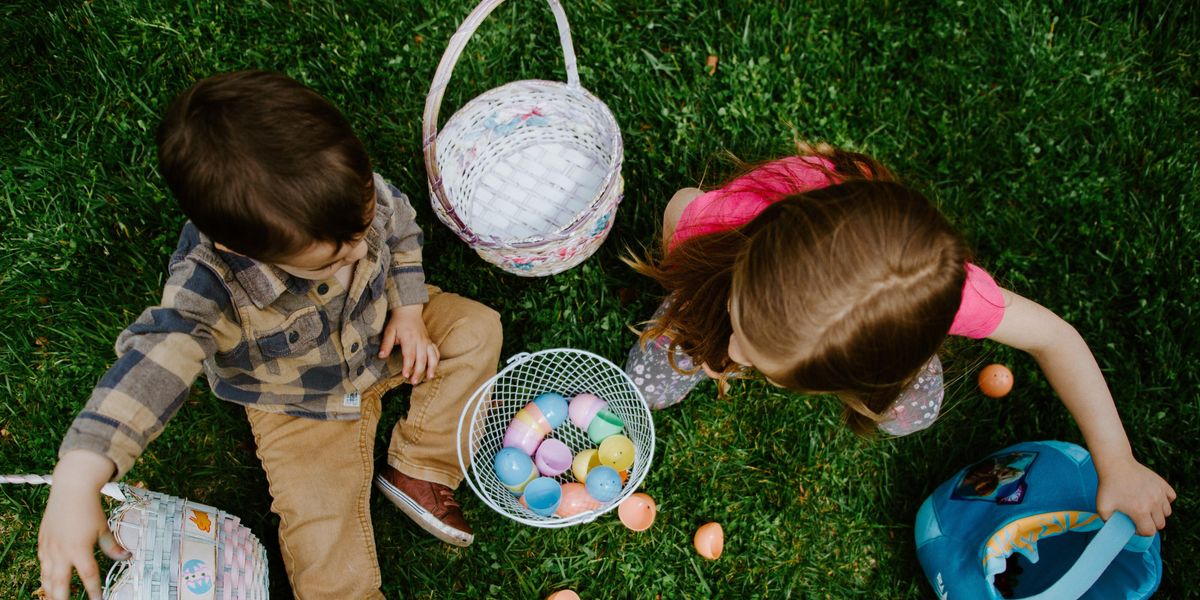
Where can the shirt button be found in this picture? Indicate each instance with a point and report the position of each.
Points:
(354, 347)
(323, 288)
(292, 337)
(360, 370)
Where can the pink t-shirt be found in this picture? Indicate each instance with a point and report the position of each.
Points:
(744, 198)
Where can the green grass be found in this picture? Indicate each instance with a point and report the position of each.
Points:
(1062, 140)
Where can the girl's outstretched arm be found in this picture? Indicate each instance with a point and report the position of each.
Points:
(1125, 484)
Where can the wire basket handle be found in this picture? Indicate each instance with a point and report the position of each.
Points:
(110, 489)
(441, 79)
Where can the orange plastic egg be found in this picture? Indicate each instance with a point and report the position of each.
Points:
(710, 540)
(995, 381)
(637, 512)
(575, 500)
(563, 595)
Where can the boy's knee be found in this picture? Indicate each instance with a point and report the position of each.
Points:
(476, 328)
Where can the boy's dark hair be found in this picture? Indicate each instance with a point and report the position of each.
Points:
(264, 165)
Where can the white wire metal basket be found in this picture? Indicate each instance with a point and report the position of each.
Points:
(529, 173)
(564, 371)
(181, 549)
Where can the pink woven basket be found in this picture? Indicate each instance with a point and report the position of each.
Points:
(181, 550)
(529, 173)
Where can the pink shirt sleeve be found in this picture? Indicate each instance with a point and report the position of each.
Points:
(982, 306)
(742, 199)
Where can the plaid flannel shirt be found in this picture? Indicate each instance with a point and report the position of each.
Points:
(264, 338)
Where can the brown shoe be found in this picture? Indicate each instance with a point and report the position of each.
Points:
(430, 505)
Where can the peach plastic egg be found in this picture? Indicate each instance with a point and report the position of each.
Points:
(563, 595)
(995, 381)
(585, 460)
(710, 540)
(575, 500)
(637, 512)
(617, 452)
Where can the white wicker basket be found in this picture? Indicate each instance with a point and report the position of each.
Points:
(567, 372)
(529, 173)
(181, 549)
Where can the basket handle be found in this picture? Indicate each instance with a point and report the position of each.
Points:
(441, 78)
(110, 489)
(1116, 535)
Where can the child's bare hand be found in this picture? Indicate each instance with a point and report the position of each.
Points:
(406, 328)
(1130, 487)
(73, 524)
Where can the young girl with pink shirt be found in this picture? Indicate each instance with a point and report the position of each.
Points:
(827, 276)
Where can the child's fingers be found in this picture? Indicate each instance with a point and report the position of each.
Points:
(111, 547)
(55, 580)
(1170, 492)
(432, 363)
(409, 359)
(389, 340)
(89, 574)
(420, 358)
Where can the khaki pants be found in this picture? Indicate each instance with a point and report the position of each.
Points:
(320, 472)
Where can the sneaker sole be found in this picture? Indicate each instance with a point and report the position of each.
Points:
(422, 517)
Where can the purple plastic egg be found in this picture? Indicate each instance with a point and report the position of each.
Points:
(583, 408)
(553, 458)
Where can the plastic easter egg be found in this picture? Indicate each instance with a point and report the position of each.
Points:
(514, 469)
(522, 437)
(603, 483)
(637, 512)
(542, 496)
(583, 407)
(575, 500)
(563, 595)
(710, 540)
(603, 425)
(527, 430)
(617, 451)
(995, 381)
(553, 458)
(585, 461)
(532, 415)
(553, 407)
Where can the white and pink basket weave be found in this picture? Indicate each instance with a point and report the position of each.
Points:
(182, 550)
(529, 173)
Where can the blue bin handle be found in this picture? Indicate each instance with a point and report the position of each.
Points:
(1100, 552)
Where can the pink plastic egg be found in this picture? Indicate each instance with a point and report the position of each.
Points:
(563, 595)
(575, 500)
(553, 458)
(526, 430)
(637, 512)
(583, 408)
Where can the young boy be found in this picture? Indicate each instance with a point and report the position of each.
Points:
(296, 278)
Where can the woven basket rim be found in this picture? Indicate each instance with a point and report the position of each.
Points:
(616, 160)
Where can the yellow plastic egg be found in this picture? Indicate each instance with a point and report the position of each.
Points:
(584, 461)
(637, 512)
(617, 451)
(710, 540)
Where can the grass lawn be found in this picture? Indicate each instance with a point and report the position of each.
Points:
(1063, 141)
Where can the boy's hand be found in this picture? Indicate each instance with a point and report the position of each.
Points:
(1130, 487)
(73, 523)
(406, 327)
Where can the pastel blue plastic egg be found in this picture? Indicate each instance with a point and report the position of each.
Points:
(603, 483)
(514, 469)
(543, 495)
(553, 407)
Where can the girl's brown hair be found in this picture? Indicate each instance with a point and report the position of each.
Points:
(849, 289)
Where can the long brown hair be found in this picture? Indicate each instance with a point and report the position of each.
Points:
(849, 288)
